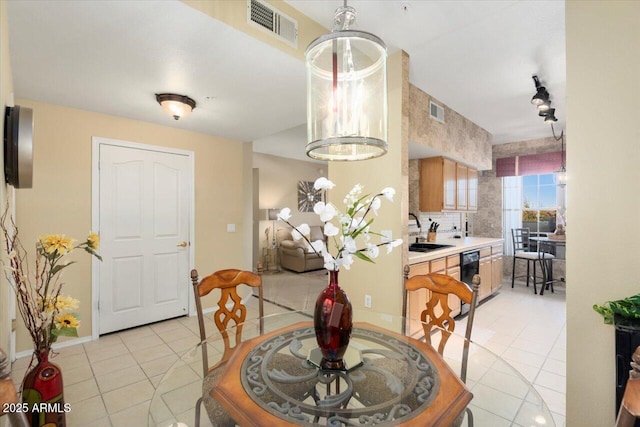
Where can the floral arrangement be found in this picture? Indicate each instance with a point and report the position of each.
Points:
(46, 312)
(351, 225)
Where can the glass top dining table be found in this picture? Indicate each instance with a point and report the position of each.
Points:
(393, 379)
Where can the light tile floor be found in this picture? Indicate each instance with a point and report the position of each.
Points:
(110, 381)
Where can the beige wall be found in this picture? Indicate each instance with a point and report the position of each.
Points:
(6, 88)
(234, 13)
(382, 280)
(278, 185)
(603, 127)
(60, 201)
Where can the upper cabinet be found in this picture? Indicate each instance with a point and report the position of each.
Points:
(446, 185)
(462, 187)
(472, 188)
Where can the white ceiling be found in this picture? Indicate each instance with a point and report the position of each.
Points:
(113, 56)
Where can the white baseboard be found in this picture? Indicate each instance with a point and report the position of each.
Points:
(81, 340)
(57, 345)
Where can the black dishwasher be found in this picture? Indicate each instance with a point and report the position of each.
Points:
(469, 266)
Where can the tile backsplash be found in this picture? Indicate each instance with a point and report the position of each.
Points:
(447, 221)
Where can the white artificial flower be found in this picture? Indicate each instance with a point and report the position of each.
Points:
(373, 251)
(300, 231)
(285, 214)
(375, 205)
(318, 246)
(346, 261)
(323, 183)
(356, 223)
(392, 244)
(329, 262)
(330, 230)
(388, 193)
(349, 244)
(352, 197)
(326, 211)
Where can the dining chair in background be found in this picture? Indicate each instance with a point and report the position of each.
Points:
(231, 313)
(522, 251)
(437, 314)
(545, 259)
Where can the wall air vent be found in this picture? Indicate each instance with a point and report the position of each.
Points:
(436, 111)
(265, 16)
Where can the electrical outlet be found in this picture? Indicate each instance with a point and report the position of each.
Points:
(231, 228)
(386, 235)
(367, 301)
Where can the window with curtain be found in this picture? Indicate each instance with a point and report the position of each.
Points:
(530, 201)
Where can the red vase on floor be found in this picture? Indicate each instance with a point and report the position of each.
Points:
(333, 321)
(42, 390)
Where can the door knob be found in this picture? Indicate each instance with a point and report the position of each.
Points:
(182, 244)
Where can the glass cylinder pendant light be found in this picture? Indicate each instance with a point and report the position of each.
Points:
(346, 93)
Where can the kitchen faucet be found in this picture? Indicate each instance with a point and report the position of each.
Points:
(418, 224)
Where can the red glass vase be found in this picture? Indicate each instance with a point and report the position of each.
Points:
(333, 321)
(42, 390)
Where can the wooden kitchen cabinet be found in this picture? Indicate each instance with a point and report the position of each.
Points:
(453, 270)
(485, 273)
(437, 184)
(496, 267)
(445, 185)
(462, 187)
(417, 300)
(472, 189)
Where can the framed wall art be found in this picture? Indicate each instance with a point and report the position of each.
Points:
(307, 196)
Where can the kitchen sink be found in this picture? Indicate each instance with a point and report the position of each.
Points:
(427, 247)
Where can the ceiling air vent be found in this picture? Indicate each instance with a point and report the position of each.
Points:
(265, 16)
(436, 111)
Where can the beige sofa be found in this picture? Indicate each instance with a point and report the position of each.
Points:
(294, 254)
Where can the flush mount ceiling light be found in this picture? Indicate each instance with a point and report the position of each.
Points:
(176, 105)
(346, 93)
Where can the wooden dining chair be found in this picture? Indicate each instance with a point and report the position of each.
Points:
(630, 406)
(437, 314)
(230, 313)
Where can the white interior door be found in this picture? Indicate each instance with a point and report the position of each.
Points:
(144, 199)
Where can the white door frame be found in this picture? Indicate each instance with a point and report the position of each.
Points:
(96, 142)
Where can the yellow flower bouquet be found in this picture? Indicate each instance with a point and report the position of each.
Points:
(47, 313)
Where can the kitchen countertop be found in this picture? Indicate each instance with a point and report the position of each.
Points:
(460, 245)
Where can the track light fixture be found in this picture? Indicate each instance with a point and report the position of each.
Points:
(542, 96)
(542, 100)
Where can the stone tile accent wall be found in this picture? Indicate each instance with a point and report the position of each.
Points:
(457, 138)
